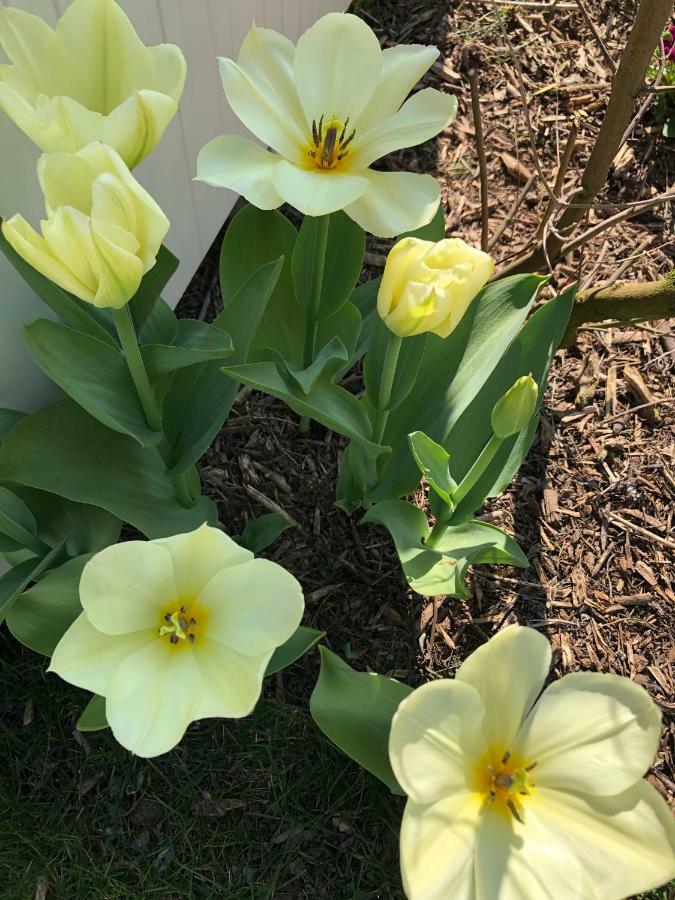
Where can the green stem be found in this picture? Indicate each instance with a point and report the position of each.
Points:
(132, 353)
(439, 528)
(477, 469)
(318, 268)
(386, 385)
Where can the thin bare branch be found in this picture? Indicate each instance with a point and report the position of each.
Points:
(510, 215)
(482, 160)
(560, 178)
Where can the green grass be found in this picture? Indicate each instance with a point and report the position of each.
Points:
(261, 808)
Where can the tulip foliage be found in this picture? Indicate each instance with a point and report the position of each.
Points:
(182, 622)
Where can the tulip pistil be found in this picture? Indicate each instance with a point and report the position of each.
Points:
(505, 783)
(330, 143)
(179, 626)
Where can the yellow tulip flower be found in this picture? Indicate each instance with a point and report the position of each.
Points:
(175, 630)
(90, 79)
(514, 798)
(329, 108)
(102, 231)
(428, 286)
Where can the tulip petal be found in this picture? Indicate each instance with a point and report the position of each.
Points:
(625, 843)
(65, 180)
(402, 68)
(41, 63)
(253, 607)
(121, 270)
(231, 682)
(237, 163)
(86, 657)
(338, 62)
(515, 860)
(69, 239)
(508, 672)
(435, 731)
(170, 70)
(437, 848)
(199, 556)
(592, 733)
(422, 117)
(315, 192)
(152, 697)
(137, 125)
(395, 202)
(34, 249)
(127, 587)
(260, 113)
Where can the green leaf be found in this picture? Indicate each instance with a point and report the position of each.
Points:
(329, 404)
(407, 366)
(199, 399)
(93, 717)
(344, 324)
(8, 419)
(532, 352)
(94, 374)
(325, 364)
(88, 463)
(442, 570)
(355, 709)
(451, 373)
(41, 615)
(295, 647)
(260, 533)
(433, 463)
(160, 327)
(17, 522)
(344, 260)
(81, 315)
(20, 576)
(195, 342)
(154, 282)
(254, 239)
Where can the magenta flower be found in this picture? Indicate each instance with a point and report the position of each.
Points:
(669, 42)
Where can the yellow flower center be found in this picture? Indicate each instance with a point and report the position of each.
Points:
(330, 142)
(182, 627)
(505, 782)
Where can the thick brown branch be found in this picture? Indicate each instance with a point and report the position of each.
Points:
(627, 301)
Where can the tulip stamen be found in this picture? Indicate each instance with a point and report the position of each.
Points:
(179, 627)
(503, 781)
(330, 145)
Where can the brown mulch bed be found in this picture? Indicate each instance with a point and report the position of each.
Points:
(593, 505)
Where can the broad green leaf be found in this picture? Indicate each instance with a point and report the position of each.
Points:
(8, 419)
(364, 299)
(342, 266)
(195, 342)
(442, 570)
(329, 404)
(355, 709)
(94, 374)
(295, 647)
(161, 325)
(344, 324)
(80, 315)
(325, 364)
(18, 578)
(41, 615)
(88, 463)
(86, 529)
(17, 523)
(93, 716)
(260, 533)
(199, 398)
(154, 282)
(254, 239)
(451, 374)
(407, 366)
(532, 352)
(433, 462)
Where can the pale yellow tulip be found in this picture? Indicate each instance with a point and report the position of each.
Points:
(175, 630)
(90, 79)
(514, 798)
(428, 286)
(328, 109)
(102, 231)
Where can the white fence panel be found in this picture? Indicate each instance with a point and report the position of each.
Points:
(204, 29)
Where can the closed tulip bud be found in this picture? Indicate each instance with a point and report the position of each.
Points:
(428, 286)
(89, 79)
(102, 231)
(515, 409)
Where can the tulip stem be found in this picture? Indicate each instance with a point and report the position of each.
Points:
(477, 469)
(318, 268)
(132, 353)
(389, 364)
(439, 528)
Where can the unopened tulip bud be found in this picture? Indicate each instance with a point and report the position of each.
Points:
(515, 409)
(428, 286)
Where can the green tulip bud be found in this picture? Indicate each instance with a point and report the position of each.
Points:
(515, 409)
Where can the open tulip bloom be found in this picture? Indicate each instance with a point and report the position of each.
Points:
(102, 231)
(90, 79)
(175, 630)
(511, 798)
(328, 109)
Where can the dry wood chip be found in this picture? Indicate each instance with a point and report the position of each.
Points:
(638, 387)
(515, 168)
